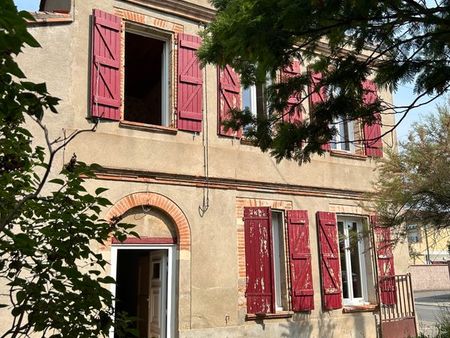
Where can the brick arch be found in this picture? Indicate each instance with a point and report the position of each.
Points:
(158, 201)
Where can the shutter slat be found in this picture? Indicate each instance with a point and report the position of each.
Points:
(302, 295)
(329, 260)
(229, 98)
(385, 262)
(260, 291)
(190, 84)
(292, 112)
(105, 66)
(373, 144)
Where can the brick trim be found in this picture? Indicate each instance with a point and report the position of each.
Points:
(158, 201)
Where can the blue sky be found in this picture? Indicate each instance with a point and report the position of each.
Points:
(29, 5)
(403, 96)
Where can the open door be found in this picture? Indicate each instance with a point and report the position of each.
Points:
(143, 284)
(158, 294)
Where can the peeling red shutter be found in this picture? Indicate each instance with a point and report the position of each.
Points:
(105, 66)
(302, 293)
(229, 98)
(385, 262)
(293, 112)
(190, 81)
(260, 291)
(329, 260)
(373, 144)
(317, 96)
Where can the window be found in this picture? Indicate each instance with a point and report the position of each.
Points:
(413, 233)
(255, 98)
(146, 72)
(279, 261)
(353, 261)
(266, 256)
(344, 137)
(146, 77)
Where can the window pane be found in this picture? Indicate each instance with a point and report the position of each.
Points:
(355, 259)
(247, 98)
(346, 136)
(343, 261)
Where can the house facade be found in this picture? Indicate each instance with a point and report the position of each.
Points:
(232, 244)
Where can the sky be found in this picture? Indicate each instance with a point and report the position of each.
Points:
(402, 97)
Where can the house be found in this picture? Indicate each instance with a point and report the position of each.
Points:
(232, 244)
(428, 245)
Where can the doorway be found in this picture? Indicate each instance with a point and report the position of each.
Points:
(144, 288)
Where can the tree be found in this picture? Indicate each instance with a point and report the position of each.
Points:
(394, 42)
(414, 184)
(48, 221)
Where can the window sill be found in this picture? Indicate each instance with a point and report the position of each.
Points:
(359, 308)
(247, 142)
(148, 127)
(262, 316)
(345, 154)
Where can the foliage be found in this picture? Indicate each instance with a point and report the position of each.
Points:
(414, 184)
(48, 221)
(404, 40)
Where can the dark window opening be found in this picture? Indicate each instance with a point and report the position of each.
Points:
(143, 79)
(56, 6)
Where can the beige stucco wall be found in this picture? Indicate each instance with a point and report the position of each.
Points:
(210, 303)
(430, 277)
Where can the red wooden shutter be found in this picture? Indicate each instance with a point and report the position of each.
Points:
(329, 260)
(385, 262)
(317, 96)
(229, 98)
(190, 80)
(105, 66)
(258, 258)
(372, 134)
(302, 293)
(293, 112)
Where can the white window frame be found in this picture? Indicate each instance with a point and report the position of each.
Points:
(278, 258)
(153, 33)
(338, 141)
(362, 251)
(171, 279)
(252, 93)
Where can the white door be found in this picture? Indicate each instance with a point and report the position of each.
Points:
(158, 294)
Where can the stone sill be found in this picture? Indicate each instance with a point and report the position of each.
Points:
(247, 142)
(345, 154)
(148, 127)
(263, 316)
(359, 308)
(50, 18)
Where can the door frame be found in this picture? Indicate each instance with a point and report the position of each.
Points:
(171, 279)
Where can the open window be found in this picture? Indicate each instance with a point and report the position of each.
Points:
(146, 77)
(255, 98)
(345, 136)
(55, 6)
(352, 251)
(146, 72)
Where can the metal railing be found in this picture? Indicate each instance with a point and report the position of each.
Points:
(403, 305)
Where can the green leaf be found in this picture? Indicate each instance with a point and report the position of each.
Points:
(100, 190)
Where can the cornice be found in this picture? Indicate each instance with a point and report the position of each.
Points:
(131, 175)
(181, 8)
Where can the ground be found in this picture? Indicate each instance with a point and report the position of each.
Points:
(430, 306)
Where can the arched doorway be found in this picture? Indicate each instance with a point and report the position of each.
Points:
(146, 269)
